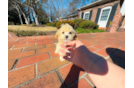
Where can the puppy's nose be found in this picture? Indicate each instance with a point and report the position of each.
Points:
(66, 36)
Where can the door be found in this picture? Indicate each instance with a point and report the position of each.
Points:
(104, 15)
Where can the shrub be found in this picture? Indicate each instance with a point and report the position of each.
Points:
(63, 22)
(81, 30)
(53, 24)
(88, 25)
(48, 24)
(77, 22)
(33, 24)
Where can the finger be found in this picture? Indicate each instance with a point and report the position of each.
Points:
(62, 51)
(65, 57)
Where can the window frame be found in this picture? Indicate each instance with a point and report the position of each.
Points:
(86, 13)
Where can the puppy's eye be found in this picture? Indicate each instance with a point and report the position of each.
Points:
(62, 32)
(70, 32)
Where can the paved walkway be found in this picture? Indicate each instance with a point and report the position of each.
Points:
(32, 62)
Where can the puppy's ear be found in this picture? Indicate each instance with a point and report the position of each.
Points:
(75, 37)
(57, 34)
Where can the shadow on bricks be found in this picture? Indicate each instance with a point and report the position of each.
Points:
(117, 57)
(72, 77)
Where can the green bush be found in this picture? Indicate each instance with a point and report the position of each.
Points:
(53, 24)
(27, 33)
(48, 24)
(33, 24)
(81, 30)
(77, 22)
(88, 25)
(63, 22)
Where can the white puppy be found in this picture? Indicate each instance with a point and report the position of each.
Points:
(64, 34)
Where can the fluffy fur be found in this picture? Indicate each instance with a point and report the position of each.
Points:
(64, 34)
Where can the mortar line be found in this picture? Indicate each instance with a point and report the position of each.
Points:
(14, 65)
(62, 81)
(49, 55)
(25, 83)
(27, 65)
(36, 70)
(89, 82)
(11, 47)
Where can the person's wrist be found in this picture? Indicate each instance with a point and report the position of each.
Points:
(89, 60)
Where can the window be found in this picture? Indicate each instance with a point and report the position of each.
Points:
(86, 15)
(73, 18)
(104, 15)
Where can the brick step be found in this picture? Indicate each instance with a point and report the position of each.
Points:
(121, 30)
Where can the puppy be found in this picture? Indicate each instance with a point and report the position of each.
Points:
(64, 34)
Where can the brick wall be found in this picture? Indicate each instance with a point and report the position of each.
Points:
(123, 23)
(95, 9)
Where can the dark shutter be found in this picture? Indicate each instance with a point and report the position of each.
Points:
(97, 15)
(90, 15)
(114, 7)
(82, 15)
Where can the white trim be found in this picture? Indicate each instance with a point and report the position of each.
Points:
(123, 9)
(104, 23)
(85, 13)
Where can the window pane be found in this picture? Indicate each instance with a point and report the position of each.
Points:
(86, 16)
(104, 14)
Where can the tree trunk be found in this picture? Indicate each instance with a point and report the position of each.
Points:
(36, 18)
(19, 15)
(26, 21)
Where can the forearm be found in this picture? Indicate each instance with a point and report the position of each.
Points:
(105, 74)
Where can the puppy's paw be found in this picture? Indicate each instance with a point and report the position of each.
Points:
(61, 59)
(56, 52)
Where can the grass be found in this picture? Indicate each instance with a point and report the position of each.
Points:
(29, 28)
(81, 30)
(27, 33)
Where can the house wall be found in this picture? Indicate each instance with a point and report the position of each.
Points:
(95, 9)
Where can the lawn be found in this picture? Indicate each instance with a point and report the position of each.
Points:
(28, 28)
(81, 30)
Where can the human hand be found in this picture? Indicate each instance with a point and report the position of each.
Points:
(78, 52)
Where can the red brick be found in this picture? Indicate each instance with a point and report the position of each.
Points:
(50, 45)
(41, 37)
(123, 48)
(9, 46)
(85, 41)
(41, 43)
(70, 73)
(10, 64)
(82, 84)
(53, 54)
(35, 37)
(50, 80)
(99, 46)
(19, 76)
(115, 46)
(87, 44)
(12, 51)
(49, 65)
(24, 45)
(20, 54)
(31, 60)
(45, 50)
(92, 49)
(28, 37)
(16, 43)
(105, 52)
(34, 47)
